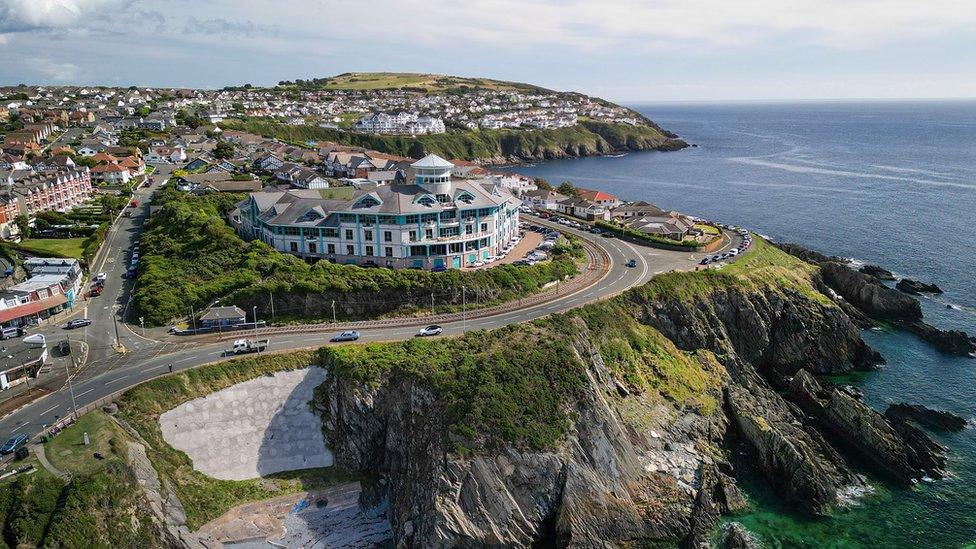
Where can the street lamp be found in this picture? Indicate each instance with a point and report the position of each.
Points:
(254, 315)
(464, 307)
(71, 390)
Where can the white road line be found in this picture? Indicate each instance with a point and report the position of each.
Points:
(116, 379)
(183, 360)
(51, 409)
(85, 393)
(19, 427)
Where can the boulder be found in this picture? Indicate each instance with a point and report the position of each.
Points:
(737, 537)
(915, 287)
(939, 420)
(877, 272)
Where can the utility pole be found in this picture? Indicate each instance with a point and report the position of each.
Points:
(464, 307)
(142, 325)
(431, 303)
(254, 315)
(333, 313)
(115, 319)
(193, 320)
(71, 390)
(271, 297)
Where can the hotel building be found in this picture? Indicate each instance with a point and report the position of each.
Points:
(433, 221)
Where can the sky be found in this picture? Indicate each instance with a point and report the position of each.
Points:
(622, 50)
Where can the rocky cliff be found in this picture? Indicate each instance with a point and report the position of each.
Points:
(652, 395)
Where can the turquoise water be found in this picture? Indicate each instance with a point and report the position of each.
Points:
(886, 183)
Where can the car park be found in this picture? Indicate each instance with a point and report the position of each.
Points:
(77, 323)
(349, 335)
(431, 330)
(13, 443)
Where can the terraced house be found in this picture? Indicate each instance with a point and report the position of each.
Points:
(48, 191)
(434, 221)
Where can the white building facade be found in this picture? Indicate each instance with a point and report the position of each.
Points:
(431, 222)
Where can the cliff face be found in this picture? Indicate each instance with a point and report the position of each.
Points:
(675, 384)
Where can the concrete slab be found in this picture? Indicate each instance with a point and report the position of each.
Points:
(252, 429)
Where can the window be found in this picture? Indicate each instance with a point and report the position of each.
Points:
(427, 200)
(368, 236)
(388, 251)
(347, 218)
(350, 250)
(469, 229)
(387, 236)
(311, 247)
(331, 233)
(348, 234)
(413, 236)
(294, 246)
(412, 219)
(484, 227)
(369, 250)
(310, 215)
(429, 218)
(331, 248)
(429, 233)
(449, 231)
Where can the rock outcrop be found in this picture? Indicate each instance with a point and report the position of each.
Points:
(876, 440)
(939, 420)
(915, 287)
(737, 537)
(877, 272)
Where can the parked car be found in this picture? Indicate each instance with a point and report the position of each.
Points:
(77, 323)
(8, 272)
(606, 235)
(64, 347)
(431, 330)
(12, 444)
(11, 332)
(632, 263)
(349, 335)
(439, 269)
(101, 277)
(706, 261)
(478, 264)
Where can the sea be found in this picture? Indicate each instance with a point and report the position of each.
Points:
(881, 182)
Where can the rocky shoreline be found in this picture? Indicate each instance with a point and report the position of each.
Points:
(631, 470)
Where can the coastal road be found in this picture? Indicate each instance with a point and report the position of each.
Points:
(146, 359)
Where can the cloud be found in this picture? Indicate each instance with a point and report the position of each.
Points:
(220, 26)
(31, 15)
(54, 70)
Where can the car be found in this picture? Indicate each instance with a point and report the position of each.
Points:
(7, 272)
(606, 235)
(733, 252)
(131, 273)
(431, 330)
(705, 261)
(369, 265)
(77, 323)
(478, 264)
(101, 277)
(632, 263)
(438, 269)
(595, 230)
(64, 347)
(349, 335)
(12, 444)
(490, 259)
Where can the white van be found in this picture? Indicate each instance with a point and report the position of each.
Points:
(10, 333)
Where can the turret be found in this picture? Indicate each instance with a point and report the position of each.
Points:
(433, 173)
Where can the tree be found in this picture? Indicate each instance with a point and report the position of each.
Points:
(223, 149)
(568, 189)
(86, 161)
(23, 224)
(543, 184)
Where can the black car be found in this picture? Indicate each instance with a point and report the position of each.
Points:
(64, 347)
(632, 263)
(77, 323)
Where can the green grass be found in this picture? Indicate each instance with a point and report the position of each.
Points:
(337, 193)
(54, 247)
(430, 83)
(67, 450)
(762, 267)
(205, 498)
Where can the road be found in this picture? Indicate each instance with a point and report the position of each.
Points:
(146, 359)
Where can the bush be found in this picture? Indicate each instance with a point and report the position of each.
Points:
(644, 237)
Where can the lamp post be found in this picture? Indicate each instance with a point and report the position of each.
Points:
(464, 307)
(254, 315)
(115, 320)
(333, 313)
(71, 390)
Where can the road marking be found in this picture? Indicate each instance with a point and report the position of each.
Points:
(22, 425)
(116, 379)
(51, 409)
(183, 360)
(85, 393)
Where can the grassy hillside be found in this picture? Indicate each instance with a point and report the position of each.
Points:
(587, 138)
(427, 83)
(191, 256)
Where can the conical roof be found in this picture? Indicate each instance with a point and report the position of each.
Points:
(432, 161)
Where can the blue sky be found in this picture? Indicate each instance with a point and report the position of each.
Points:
(624, 50)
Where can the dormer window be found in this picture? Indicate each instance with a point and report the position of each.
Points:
(367, 202)
(465, 196)
(309, 216)
(427, 200)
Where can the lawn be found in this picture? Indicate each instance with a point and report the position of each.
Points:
(57, 247)
(67, 451)
(337, 193)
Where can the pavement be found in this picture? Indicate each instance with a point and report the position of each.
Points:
(109, 373)
(252, 429)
